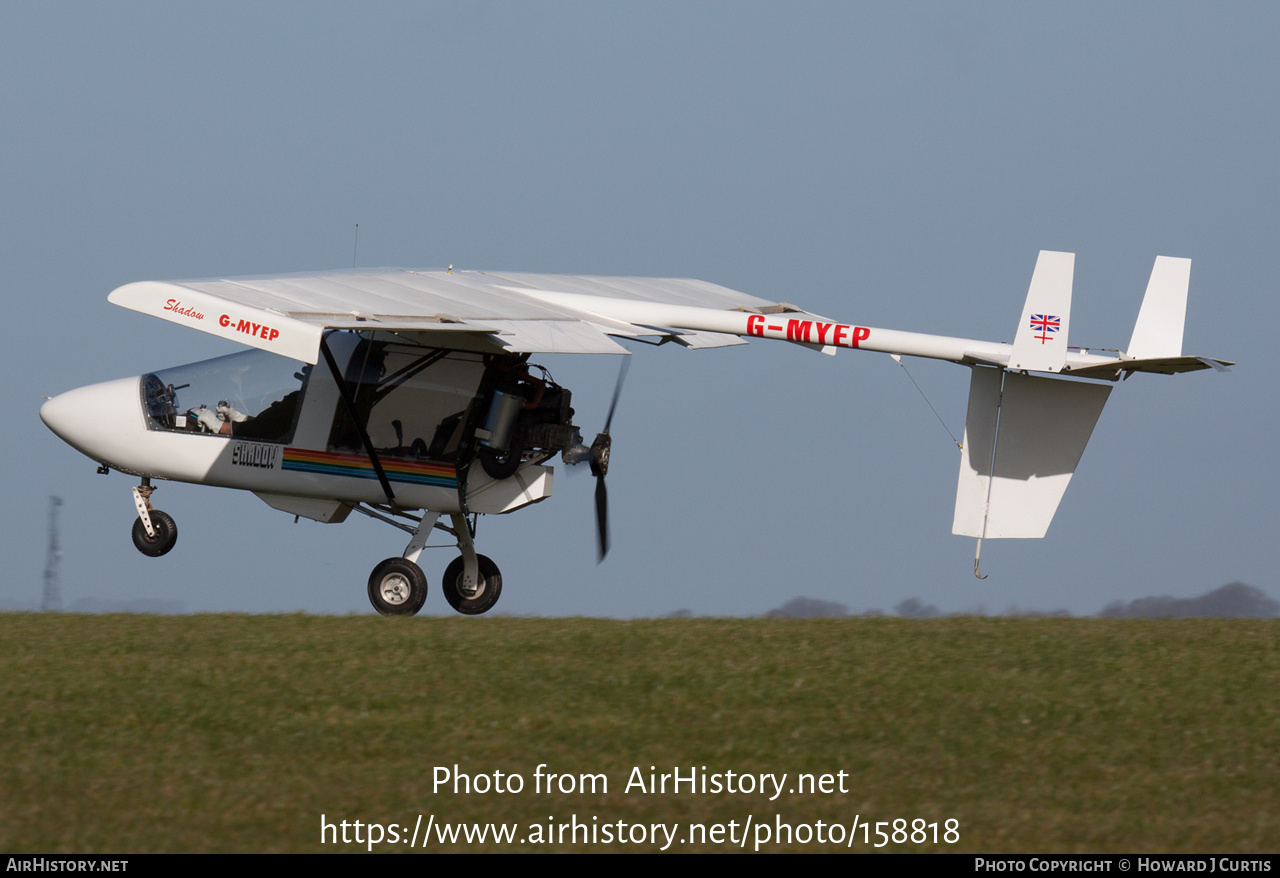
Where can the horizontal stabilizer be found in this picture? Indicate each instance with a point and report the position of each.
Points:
(1043, 427)
(1041, 342)
(1158, 332)
(1163, 365)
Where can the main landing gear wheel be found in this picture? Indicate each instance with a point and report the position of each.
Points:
(397, 587)
(166, 534)
(487, 592)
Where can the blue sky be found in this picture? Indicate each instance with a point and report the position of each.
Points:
(893, 165)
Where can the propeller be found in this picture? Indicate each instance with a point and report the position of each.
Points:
(600, 465)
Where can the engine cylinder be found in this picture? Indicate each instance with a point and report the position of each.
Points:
(501, 419)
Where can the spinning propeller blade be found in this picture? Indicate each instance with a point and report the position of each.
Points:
(602, 518)
(617, 391)
(600, 465)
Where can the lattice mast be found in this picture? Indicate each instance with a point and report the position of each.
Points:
(52, 598)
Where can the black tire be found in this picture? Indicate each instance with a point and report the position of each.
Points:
(166, 534)
(487, 592)
(397, 587)
(501, 465)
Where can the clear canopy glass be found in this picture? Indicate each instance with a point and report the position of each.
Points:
(257, 392)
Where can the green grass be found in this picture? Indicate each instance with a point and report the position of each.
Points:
(235, 733)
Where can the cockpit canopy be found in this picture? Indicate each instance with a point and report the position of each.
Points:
(263, 388)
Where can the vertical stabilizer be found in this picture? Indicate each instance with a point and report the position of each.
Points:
(1158, 332)
(1036, 429)
(1041, 342)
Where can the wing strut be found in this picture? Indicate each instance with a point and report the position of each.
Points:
(355, 418)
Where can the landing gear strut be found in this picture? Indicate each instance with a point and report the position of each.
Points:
(397, 587)
(472, 583)
(154, 532)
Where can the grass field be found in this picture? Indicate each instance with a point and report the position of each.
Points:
(130, 734)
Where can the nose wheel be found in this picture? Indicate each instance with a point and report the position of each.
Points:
(154, 532)
(161, 540)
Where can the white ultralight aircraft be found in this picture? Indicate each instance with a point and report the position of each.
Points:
(380, 391)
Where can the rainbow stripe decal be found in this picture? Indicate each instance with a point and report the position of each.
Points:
(358, 466)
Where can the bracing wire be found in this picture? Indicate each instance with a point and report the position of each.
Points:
(898, 360)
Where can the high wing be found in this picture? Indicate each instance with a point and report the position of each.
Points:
(541, 313)
(519, 312)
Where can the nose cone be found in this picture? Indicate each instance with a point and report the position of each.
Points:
(100, 421)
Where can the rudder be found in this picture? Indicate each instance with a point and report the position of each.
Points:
(1037, 428)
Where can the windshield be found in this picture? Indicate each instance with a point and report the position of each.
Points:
(255, 394)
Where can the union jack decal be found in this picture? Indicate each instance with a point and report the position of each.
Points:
(1045, 323)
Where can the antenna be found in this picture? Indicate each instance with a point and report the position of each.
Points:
(52, 600)
(356, 247)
